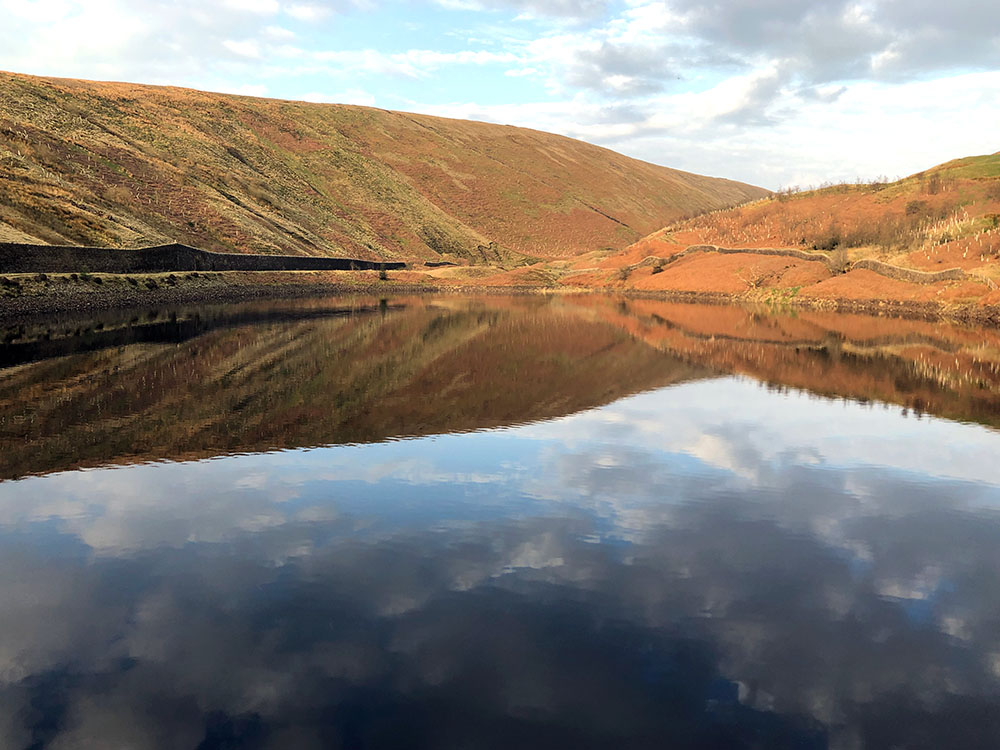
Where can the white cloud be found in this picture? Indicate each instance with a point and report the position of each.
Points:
(245, 48)
(264, 7)
(521, 72)
(251, 89)
(279, 33)
(414, 63)
(531, 9)
(306, 13)
(350, 96)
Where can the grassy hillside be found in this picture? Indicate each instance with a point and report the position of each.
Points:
(920, 221)
(862, 241)
(125, 165)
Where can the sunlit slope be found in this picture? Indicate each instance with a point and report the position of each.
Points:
(971, 167)
(945, 219)
(123, 165)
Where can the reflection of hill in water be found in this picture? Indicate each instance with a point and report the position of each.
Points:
(937, 368)
(251, 380)
(301, 374)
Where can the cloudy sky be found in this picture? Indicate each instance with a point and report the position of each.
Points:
(773, 92)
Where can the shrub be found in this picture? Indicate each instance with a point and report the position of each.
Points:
(118, 194)
(754, 276)
(829, 239)
(839, 260)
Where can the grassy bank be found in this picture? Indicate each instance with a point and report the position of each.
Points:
(26, 295)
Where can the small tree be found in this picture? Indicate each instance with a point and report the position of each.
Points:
(754, 276)
(839, 260)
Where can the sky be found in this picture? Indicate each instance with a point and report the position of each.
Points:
(777, 93)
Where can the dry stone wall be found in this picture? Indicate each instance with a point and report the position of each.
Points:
(23, 258)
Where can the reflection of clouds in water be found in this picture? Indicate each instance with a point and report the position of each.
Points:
(841, 578)
(768, 427)
(513, 626)
(618, 461)
(153, 504)
(203, 501)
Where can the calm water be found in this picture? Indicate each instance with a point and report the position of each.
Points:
(499, 524)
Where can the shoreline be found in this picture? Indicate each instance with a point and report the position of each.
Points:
(59, 296)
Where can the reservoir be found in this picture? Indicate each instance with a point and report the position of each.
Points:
(532, 522)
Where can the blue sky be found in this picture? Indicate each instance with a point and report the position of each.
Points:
(774, 92)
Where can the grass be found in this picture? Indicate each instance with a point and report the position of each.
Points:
(918, 213)
(972, 167)
(777, 297)
(123, 165)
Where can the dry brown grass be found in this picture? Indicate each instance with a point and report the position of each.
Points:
(945, 221)
(934, 214)
(124, 165)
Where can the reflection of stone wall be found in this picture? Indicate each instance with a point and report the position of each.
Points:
(908, 274)
(22, 258)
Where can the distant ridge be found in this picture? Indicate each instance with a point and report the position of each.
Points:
(124, 165)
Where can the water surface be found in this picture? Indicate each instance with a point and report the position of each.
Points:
(499, 523)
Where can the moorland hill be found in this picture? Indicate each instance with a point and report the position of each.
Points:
(930, 238)
(124, 165)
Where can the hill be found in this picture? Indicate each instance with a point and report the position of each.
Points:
(932, 238)
(123, 165)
